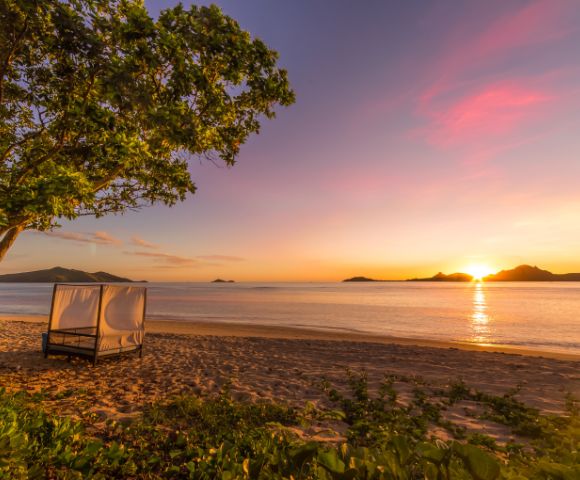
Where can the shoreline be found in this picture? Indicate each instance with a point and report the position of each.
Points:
(229, 329)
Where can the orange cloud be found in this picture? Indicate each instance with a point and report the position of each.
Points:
(135, 240)
(176, 260)
(166, 257)
(99, 238)
(225, 258)
(105, 239)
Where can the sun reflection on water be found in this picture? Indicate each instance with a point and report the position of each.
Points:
(479, 317)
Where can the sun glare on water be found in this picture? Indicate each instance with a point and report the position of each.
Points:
(478, 271)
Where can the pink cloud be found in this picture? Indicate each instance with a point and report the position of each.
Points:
(490, 112)
(99, 238)
(105, 239)
(166, 258)
(77, 237)
(535, 23)
(135, 240)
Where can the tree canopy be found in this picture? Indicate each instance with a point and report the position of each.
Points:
(102, 106)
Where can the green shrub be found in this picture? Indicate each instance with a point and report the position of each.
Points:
(216, 437)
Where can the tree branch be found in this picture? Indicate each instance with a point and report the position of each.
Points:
(26, 138)
(8, 239)
(108, 179)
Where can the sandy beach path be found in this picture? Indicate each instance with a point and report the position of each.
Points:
(271, 366)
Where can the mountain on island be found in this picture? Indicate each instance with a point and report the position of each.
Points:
(527, 273)
(362, 279)
(523, 273)
(59, 275)
(441, 277)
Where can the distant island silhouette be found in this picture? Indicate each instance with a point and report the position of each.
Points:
(522, 273)
(441, 277)
(527, 273)
(221, 280)
(61, 275)
(362, 279)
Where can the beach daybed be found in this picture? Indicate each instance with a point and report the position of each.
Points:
(95, 321)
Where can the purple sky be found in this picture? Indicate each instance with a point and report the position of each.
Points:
(426, 136)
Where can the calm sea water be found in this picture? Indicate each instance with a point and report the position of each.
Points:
(543, 316)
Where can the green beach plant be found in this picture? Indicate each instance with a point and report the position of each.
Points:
(101, 106)
(216, 437)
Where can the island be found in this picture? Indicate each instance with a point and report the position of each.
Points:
(527, 273)
(362, 279)
(441, 277)
(221, 280)
(61, 275)
(522, 273)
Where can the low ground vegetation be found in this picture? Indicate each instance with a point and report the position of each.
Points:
(217, 437)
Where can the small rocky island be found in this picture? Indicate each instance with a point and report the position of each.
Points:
(61, 275)
(221, 280)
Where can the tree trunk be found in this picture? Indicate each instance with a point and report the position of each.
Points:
(8, 240)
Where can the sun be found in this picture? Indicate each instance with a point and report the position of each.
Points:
(478, 270)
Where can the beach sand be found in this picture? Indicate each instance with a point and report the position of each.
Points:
(269, 363)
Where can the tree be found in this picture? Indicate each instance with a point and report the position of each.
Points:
(101, 106)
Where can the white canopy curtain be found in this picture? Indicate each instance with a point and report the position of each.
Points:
(75, 306)
(96, 320)
(122, 314)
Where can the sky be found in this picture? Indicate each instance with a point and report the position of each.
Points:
(426, 137)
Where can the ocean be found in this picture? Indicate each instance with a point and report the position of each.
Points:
(531, 315)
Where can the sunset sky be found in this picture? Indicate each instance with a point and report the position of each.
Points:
(426, 136)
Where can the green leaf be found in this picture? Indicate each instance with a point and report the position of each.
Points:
(303, 453)
(431, 453)
(330, 460)
(558, 471)
(402, 448)
(478, 463)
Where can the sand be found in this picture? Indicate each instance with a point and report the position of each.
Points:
(267, 363)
